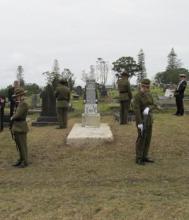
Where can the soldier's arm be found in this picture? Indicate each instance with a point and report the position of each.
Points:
(56, 93)
(137, 110)
(182, 87)
(129, 91)
(154, 106)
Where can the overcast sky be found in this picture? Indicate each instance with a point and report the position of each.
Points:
(76, 32)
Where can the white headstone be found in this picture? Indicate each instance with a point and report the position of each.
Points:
(169, 93)
(91, 117)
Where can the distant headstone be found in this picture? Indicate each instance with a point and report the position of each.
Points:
(35, 101)
(169, 93)
(103, 91)
(91, 117)
(79, 90)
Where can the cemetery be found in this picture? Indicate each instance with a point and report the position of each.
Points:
(94, 110)
(73, 174)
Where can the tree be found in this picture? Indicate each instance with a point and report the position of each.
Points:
(20, 75)
(54, 75)
(141, 62)
(102, 70)
(173, 62)
(69, 76)
(32, 88)
(173, 69)
(127, 64)
(170, 76)
(84, 76)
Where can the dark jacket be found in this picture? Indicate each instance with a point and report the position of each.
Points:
(179, 92)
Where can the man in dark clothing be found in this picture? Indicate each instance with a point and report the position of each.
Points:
(179, 95)
(2, 106)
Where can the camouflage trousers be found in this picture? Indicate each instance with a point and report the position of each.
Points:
(21, 142)
(143, 143)
(62, 116)
(124, 111)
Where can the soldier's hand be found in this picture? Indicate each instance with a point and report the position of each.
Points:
(140, 126)
(146, 111)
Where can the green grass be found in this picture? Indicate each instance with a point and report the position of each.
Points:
(98, 183)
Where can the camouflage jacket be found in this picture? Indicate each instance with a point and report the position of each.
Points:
(19, 118)
(124, 89)
(141, 101)
(62, 95)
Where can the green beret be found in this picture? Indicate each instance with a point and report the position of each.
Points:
(145, 82)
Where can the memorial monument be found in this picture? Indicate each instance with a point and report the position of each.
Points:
(90, 131)
(91, 117)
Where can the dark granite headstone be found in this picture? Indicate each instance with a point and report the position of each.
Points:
(79, 90)
(103, 91)
(48, 111)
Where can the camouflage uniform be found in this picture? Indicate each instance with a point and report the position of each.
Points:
(62, 94)
(20, 129)
(125, 97)
(140, 103)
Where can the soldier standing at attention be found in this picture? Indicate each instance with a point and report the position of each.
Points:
(62, 94)
(19, 128)
(179, 95)
(143, 105)
(125, 96)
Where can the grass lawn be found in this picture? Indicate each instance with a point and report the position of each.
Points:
(98, 183)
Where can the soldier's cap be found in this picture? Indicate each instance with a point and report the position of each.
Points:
(182, 75)
(145, 82)
(19, 92)
(63, 81)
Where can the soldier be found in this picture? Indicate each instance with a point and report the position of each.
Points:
(143, 105)
(11, 99)
(179, 95)
(19, 128)
(2, 106)
(62, 94)
(125, 96)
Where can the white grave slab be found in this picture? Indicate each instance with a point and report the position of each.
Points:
(84, 136)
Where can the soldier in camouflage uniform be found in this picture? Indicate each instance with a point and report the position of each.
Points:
(125, 97)
(62, 94)
(19, 128)
(143, 105)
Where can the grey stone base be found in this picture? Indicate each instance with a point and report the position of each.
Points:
(45, 120)
(91, 120)
(89, 136)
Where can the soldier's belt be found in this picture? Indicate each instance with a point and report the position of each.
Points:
(123, 92)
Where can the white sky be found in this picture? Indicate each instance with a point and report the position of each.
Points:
(77, 32)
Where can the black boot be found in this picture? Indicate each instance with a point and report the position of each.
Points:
(147, 160)
(140, 162)
(17, 163)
